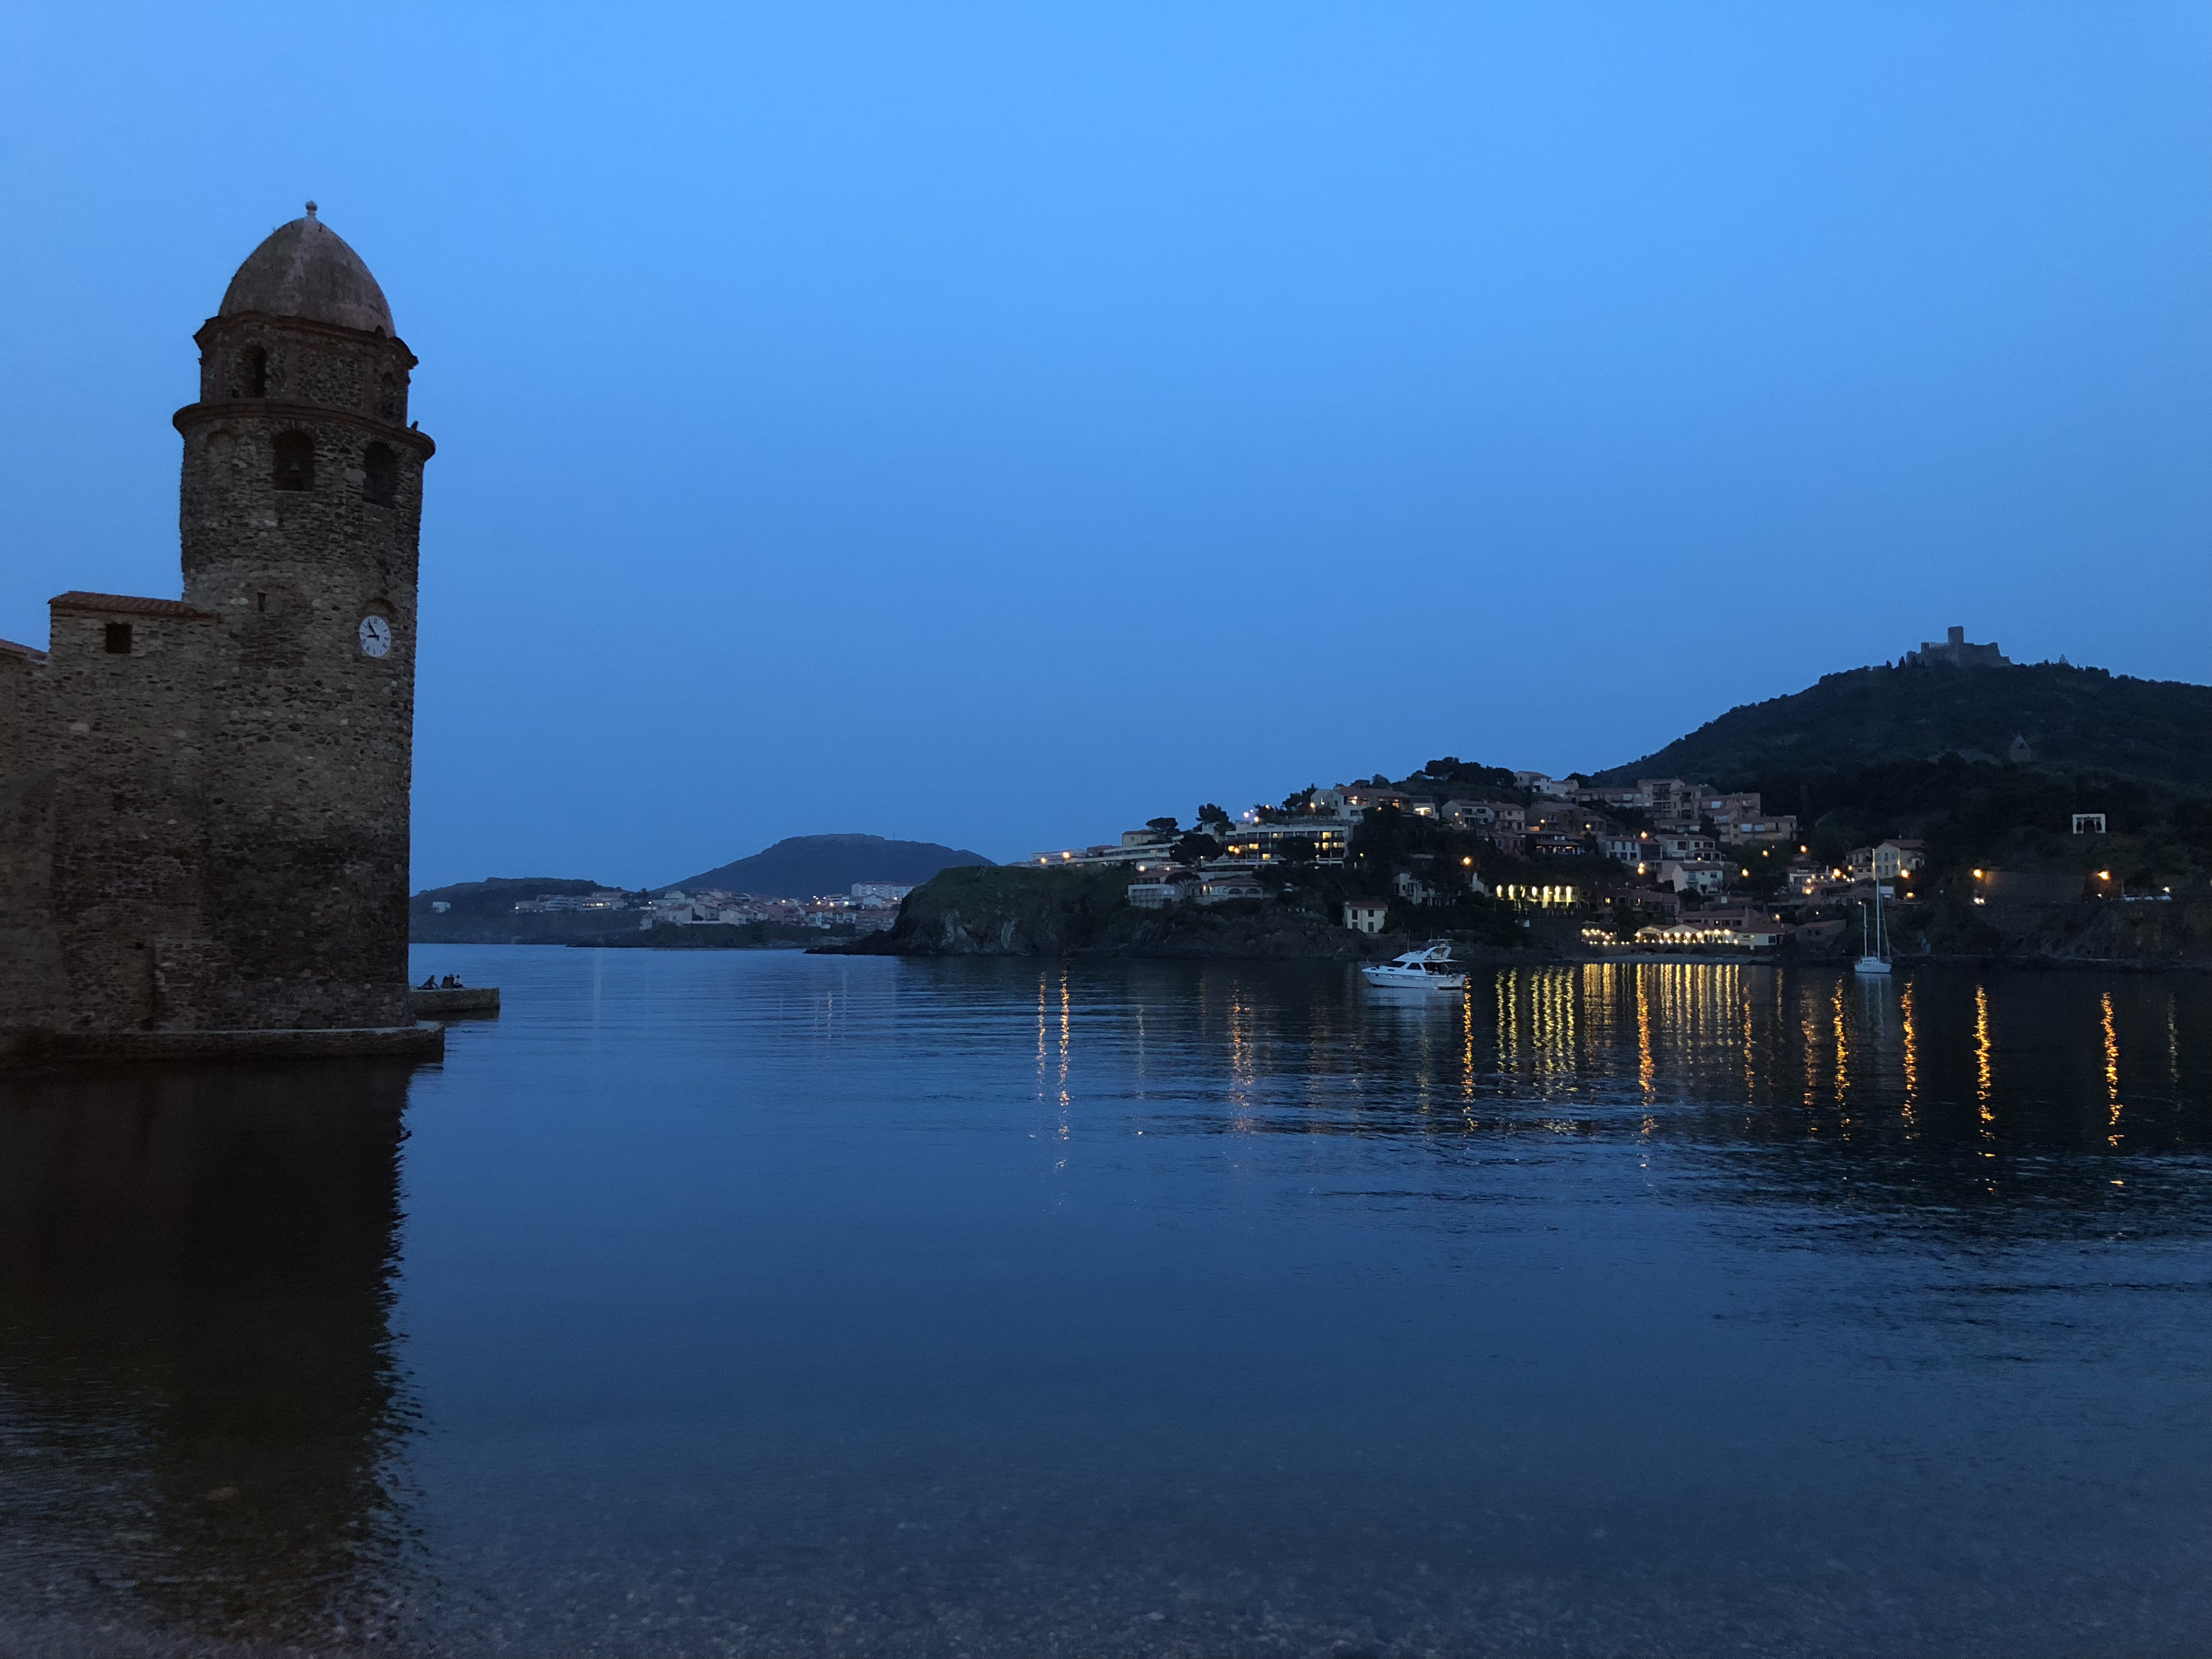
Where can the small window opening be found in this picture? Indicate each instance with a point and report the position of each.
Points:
(118, 639)
(295, 461)
(380, 477)
(260, 601)
(253, 378)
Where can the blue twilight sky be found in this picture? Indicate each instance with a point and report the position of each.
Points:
(998, 424)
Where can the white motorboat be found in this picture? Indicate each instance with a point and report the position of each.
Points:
(1429, 969)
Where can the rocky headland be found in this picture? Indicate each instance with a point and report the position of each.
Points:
(1019, 912)
(1012, 911)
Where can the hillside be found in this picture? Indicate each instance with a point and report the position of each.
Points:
(483, 913)
(1017, 912)
(2071, 717)
(802, 866)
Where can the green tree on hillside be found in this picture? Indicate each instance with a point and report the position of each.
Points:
(1196, 848)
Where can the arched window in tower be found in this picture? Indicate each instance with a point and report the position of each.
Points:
(253, 371)
(379, 475)
(295, 461)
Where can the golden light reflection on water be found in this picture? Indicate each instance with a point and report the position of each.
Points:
(1809, 1028)
(1911, 1057)
(1751, 1051)
(2111, 1068)
(1552, 1004)
(1843, 1052)
(1984, 1080)
(1558, 1028)
(1647, 1054)
(1799, 1051)
(1835, 1045)
(1467, 1056)
(1507, 989)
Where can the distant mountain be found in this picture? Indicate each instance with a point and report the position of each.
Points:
(2076, 717)
(804, 865)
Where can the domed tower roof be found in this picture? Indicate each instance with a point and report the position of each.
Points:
(306, 269)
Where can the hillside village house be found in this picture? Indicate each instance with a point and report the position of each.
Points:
(1628, 847)
(1889, 861)
(1219, 886)
(1646, 849)
(1161, 888)
(1324, 839)
(1759, 828)
(1669, 800)
(1366, 798)
(1739, 818)
(1693, 875)
(1616, 797)
(1484, 815)
(1562, 817)
(1551, 788)
(604, 898)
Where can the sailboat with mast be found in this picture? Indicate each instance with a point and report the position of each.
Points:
(1874, 955)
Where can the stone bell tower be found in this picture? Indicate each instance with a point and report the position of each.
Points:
(301, 503)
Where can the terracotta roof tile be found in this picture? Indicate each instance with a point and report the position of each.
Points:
(15, 650)
(127, 604)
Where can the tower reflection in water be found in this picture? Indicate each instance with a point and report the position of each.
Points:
(201, 1412)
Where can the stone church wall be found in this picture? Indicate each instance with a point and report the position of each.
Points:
(30, 956)
(127, 690)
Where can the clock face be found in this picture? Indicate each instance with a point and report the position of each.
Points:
(375, 636)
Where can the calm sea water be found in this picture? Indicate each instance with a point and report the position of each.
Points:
(767, 1304)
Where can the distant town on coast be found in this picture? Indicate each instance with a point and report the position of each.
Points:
(2000, 809)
